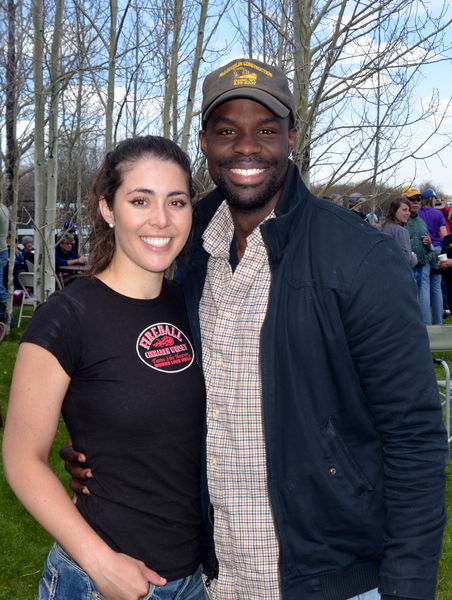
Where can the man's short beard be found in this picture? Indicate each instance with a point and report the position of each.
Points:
(253, 204)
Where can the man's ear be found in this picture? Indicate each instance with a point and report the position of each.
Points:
(203, 141)
(292, 139)
(106, 212)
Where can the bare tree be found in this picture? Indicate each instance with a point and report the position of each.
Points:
(354, 68)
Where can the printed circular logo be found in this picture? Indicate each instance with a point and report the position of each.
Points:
(165, 347)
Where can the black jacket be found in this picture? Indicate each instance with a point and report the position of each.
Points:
(355, 442)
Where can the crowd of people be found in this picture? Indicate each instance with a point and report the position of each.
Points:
(420, 223)
(268, 418)
(66, 255)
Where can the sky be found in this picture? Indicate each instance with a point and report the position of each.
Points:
(431, 166)
(438, 169)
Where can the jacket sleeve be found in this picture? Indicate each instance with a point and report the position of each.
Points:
(390, 349)
(402, 237)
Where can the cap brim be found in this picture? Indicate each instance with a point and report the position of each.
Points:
(270, 102)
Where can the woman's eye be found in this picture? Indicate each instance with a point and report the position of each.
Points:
(179, 203)
(138, 202)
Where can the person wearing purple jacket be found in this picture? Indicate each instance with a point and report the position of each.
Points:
(436, 226)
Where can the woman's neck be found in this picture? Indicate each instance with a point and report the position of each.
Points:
(139, 284)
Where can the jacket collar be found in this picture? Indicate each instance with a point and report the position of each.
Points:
(275, 232)
(294, 196)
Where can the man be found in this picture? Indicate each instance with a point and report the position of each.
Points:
(421, 246)
(325, 455)
(436, 227)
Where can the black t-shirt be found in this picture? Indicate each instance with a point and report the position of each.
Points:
(135, 405)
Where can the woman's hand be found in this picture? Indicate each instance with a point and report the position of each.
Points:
(121, 577)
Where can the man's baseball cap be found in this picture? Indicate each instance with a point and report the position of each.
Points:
(252, 79)
(410, 191)
(429, 194)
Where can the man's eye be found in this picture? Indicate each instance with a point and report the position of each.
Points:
(225, 132)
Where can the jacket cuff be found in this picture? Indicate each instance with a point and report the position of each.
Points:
(384, 597)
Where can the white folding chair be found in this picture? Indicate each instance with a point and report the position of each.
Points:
(26, 280)
(440, 337)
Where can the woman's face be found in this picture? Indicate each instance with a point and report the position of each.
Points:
(66, 246)
(403, 213)
(152, 215)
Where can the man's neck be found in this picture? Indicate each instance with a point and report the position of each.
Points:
(246, 223)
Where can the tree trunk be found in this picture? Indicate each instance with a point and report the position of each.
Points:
(194, 75)
(111, 76)
(52, 159)
(302, 10)
(172, 74)
(39, 154)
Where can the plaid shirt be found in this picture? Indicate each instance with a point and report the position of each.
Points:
(232, 310)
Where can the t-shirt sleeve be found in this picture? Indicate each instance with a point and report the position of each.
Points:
(55, 327)
(441, 219)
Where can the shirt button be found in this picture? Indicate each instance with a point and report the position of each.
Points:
(332, 471)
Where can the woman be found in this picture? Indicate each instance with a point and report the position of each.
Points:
(66, 255)
(395, 226)
(112, 350)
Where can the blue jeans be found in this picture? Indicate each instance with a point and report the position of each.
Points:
(422, 277)
(63, 579)
(372, 595)
(436, 294)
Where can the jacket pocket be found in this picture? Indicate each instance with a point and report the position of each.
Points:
(342, 468)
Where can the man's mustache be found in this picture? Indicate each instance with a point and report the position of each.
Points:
(256, 162)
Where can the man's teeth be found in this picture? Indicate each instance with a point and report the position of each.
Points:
(159, 242)
(247, 171)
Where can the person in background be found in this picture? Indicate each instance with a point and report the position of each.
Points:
(436, 227)
(395, 225)
(337, 199)
(355, 204)
(445, 208)
(113, 352)
(65, 255)
(4, 227)
(421, 246)
(445, 267)
(325, 448)
(28, 251)
(70, 227)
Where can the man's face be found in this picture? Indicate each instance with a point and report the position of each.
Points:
(415, 205)
(247, 146)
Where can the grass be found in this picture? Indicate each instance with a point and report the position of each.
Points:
(24, 544)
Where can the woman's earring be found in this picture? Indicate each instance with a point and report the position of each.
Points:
(111, 225)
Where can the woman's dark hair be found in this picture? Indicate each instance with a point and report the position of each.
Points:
(108, 178)
(393, 208)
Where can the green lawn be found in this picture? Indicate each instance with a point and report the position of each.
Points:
(24, 544)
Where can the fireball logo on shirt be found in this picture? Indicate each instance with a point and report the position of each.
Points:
(165, 347)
